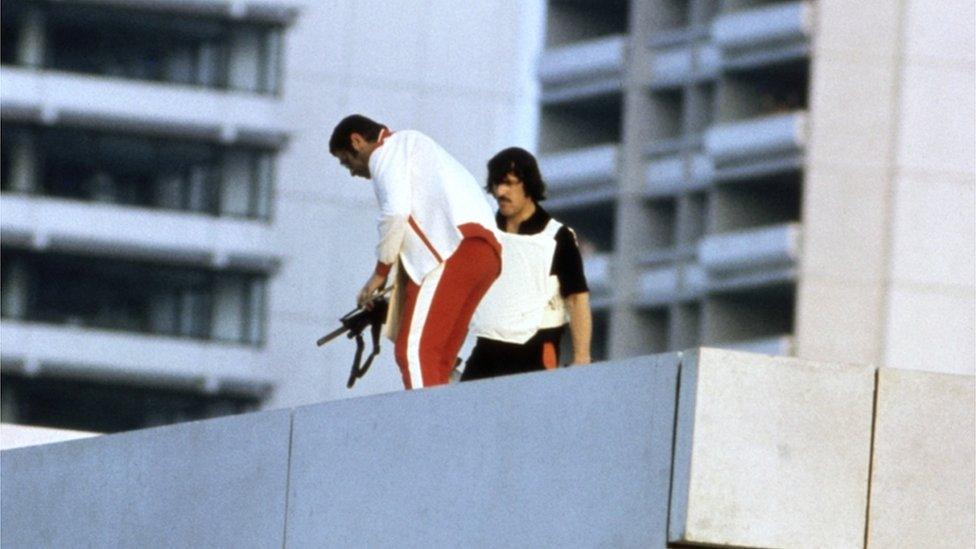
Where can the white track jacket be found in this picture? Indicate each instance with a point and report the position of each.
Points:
(428, 203)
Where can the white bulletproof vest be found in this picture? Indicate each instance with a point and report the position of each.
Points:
(525, 297)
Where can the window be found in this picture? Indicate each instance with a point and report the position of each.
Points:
(134, 296)
(139, 171)
(108, 407)
(149, 45)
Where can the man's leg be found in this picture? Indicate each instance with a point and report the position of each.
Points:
(409, 303)
(440, 311)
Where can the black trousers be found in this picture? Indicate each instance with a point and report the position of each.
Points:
(491, 358)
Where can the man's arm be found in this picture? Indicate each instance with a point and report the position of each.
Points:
(580, 326)
(391, 183)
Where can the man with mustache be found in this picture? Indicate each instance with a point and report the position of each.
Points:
(436, 222)
(521, 320)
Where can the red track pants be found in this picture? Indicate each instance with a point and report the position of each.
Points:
(437, 313)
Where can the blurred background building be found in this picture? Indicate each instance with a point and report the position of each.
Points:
(175, 236)
(785, 177)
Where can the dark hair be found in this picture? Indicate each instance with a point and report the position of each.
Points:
(354, 123)
(521, 164)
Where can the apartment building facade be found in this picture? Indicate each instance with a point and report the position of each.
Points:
(139, 149)
(750, 174)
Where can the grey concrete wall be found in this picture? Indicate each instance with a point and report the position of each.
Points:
(217, 483)
(768, 452)
(573, 458)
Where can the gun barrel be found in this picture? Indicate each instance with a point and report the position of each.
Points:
(330, 336)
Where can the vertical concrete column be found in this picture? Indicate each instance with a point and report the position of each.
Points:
(32, 46)
(847, 186)
(628, 332)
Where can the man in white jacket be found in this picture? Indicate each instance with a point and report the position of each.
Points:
(437, 224)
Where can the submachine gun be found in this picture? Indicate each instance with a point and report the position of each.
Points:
(355, 322)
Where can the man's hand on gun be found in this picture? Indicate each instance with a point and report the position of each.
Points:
(369, 291)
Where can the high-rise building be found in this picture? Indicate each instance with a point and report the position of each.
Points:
(788, 177)
(139, 148)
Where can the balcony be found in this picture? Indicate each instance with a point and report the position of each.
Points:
(764, 250)
(683, 65)
(597, 269)
(658, 285)
(765, 35)
(581, 175)
(583, 69)
(40, 349)
(64, 225)
(675, 174)
(118, 104)
(760, 139)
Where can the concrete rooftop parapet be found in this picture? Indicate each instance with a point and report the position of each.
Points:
(923, 472)
(771, 451)
(703, 447)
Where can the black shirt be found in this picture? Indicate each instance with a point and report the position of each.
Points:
(567, 262)
(491, 358)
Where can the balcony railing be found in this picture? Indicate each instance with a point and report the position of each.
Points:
(673, 174)
(589, 167)
(749, 250)
(597, 269)
(758, 138)
(101, 228)
(658, 284)
(679, 66)
(74, 351)
(762, 26)
(583, 69)
(123, 104)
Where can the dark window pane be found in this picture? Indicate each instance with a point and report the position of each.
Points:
(108, 408)
(132, 296)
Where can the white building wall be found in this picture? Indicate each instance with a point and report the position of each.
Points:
(887, 273)
(930, 300)
(460, 72)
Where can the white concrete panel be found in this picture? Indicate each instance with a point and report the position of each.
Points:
(863, 29)
(770, 452)
(931, 329)
(391, 42)
(923, 473)
(325, 36)
(839, 320)
(845, 224)
(330, 254)
(851, 106)
(460, 54)
(930, 218)
(461, 123)
(936, 131)
(940, 32)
